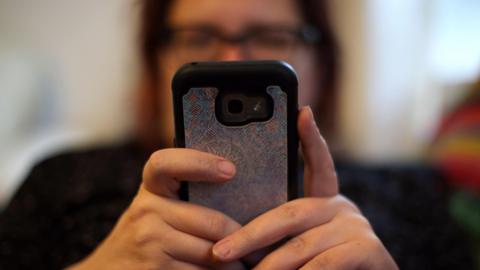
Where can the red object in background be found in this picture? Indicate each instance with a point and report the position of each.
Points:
(462, 172)
(467, 117)
(457, 145)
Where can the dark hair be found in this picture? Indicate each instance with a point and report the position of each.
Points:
(154, 14)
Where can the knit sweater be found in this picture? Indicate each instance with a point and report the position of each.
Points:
(70, 202)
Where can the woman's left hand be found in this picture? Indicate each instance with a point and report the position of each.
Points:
(326, 230)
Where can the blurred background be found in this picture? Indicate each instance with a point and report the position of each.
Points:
(68, 72)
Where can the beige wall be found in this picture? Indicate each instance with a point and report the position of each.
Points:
(402, 62)
(88, 46)
(67, 72)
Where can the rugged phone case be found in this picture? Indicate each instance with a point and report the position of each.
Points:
(264, 152)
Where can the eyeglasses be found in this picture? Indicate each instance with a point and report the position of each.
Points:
(257, 43)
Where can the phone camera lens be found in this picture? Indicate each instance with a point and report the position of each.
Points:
(235, 106)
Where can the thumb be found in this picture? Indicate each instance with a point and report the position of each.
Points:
(320, 178)
(166, 168)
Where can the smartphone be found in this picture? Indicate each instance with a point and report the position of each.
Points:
(245, 111)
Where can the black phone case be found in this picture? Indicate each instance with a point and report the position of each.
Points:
(265, 153)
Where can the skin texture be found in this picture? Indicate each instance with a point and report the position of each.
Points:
(158, 231)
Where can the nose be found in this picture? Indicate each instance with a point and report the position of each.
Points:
(231, 52)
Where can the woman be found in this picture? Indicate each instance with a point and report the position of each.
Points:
(76, 199)
(158, 215)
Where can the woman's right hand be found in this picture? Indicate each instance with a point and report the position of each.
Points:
(158, 231)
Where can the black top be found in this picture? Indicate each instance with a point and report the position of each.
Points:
(70, 202)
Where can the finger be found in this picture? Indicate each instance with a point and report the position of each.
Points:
(198, 220)
(320, 175)
(189, 248)
(156, 235)
(194, 250)
(166, 168)
(302, 248)
(288, 219)
(298, 250)
(342, 257)
(178, 265)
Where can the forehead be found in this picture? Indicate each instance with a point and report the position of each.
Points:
(235, 14)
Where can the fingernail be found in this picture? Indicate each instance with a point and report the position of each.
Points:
(222, 249)
(226, 168)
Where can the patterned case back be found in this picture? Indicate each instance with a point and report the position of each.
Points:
(259, 151)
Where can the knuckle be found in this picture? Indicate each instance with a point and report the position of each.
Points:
(358, 226)
(298, 211)
(292, 211)
(369, 244)
(373, 243)
(345, 204)
(297, 245)
(158, 159)
(138, 210)
(142, 223)
(321, 262)
(145, 232)
(361, 221)
(356, 220)
(217, 224)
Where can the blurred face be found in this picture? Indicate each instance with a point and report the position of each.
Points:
(226, 30)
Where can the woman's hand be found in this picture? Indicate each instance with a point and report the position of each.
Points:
(327, 231)
(158, 231)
